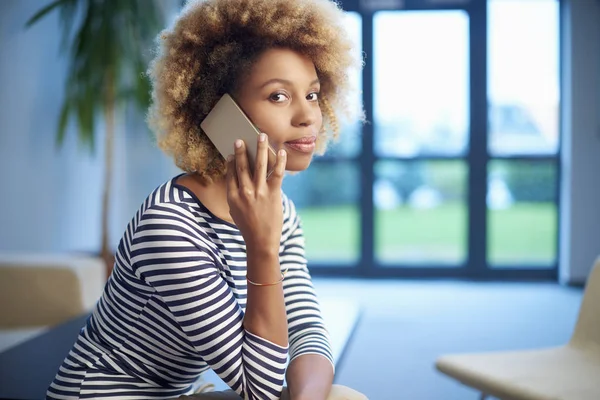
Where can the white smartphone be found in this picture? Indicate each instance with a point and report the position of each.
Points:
(226, 123)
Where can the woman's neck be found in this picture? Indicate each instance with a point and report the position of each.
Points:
(212, 195)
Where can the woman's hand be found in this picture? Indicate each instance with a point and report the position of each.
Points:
(255, 203)
(256, 208)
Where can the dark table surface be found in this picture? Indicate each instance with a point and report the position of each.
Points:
(27, 370)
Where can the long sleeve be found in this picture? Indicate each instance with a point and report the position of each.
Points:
(178, 259)
(307, 332)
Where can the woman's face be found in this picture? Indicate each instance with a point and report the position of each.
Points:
(281, 97)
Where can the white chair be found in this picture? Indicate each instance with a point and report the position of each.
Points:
(569, 372)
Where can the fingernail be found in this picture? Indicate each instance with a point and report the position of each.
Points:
(230, 158)
(238, 144)
(282, 153)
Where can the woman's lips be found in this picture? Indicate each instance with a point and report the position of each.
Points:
(303, 145)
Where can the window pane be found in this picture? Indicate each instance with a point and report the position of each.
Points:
(522, 215)
(421, 104)
(349, 143)
(523, 80)
(326, 197)
(420, 214)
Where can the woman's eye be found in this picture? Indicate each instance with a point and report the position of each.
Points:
(278, 97)
(314, 96)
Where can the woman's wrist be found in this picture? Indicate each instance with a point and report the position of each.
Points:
(263, 266)
(263, 253)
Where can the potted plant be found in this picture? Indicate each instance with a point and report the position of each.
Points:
(107, 43)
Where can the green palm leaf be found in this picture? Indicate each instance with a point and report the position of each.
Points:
(112, 37)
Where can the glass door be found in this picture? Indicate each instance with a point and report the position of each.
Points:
(523, 134)
(421, 132)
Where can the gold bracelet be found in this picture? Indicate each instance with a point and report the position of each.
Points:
(268, 284)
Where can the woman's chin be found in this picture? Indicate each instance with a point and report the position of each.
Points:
(298, 164)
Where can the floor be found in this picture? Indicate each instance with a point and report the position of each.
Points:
(405, 325)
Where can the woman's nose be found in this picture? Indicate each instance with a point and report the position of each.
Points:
(305, 114)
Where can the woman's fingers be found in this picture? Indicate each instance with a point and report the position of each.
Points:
(231, 177)
(260, 168)
(242, 167)
(276, 176)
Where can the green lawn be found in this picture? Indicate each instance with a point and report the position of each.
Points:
(523, 233)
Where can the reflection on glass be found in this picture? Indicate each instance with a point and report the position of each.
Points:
(421, 77)
(522, 217)
(420, 215)
(326, 197)
(523, 81)
(349, 142)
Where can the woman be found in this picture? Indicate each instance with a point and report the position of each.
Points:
(211, 273)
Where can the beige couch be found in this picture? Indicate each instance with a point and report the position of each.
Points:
(40, 291)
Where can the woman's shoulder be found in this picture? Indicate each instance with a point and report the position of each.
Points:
(171, 209)
(170, 195)
(170, 204)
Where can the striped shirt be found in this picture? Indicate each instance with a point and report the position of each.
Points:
(174, 306)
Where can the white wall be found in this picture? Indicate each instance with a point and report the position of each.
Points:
(50, 198)
(580, 197)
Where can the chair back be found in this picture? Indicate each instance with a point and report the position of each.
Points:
(587, 329)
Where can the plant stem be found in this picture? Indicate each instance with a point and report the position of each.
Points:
(109, 119)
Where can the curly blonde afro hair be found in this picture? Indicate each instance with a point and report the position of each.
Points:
(212, 41)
